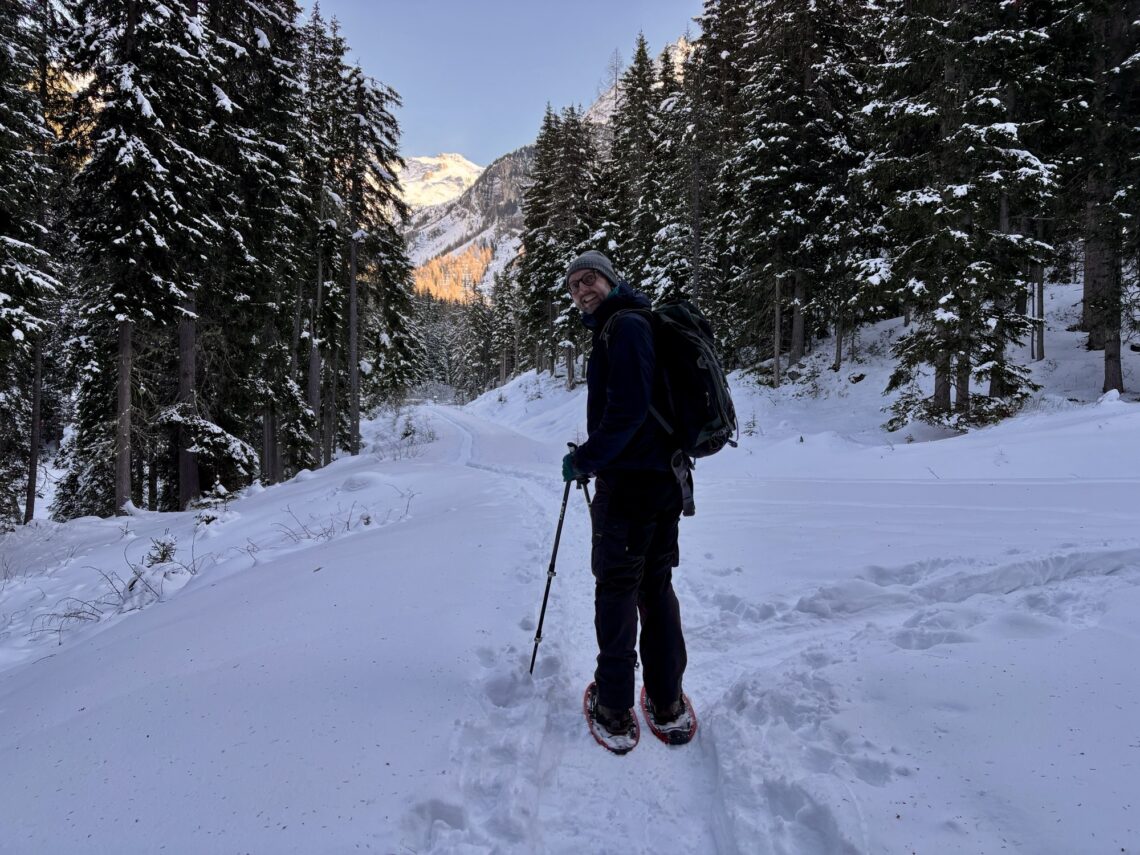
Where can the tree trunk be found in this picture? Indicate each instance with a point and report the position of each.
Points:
(36, 431)
(353, 354)
(838, 343)
(569, 367)
(329, 443)
(1113, 373)
(798, 301)
(189, 487)
(962, 385)
(123, 419)
(696, 183)
(295, 349)
(151, 483)
(314, 396)
(36, 427)
(1039, 299)
(777, 323)
(1096, 287)
(1109, 323)
(941, 400)
(270, 453)
(997, 387)
(314, 386)
(138, 476)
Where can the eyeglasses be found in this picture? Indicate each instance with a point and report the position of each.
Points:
(586, 279)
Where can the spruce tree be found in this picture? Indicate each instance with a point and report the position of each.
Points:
(628, 185)
(947, 167)
(139, 201)
(794, 168)
(385, 322)
(669, 268)
(26, 269)
(318, 309)
(714, 81)
(540, 241)
(577, 215)
(1095, 45)
(252, 394)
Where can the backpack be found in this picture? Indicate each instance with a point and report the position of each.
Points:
(700, 417)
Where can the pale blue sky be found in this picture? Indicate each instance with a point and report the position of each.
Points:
(475, 75)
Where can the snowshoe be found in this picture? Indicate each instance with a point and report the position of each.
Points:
(618, 735)
(676, 726)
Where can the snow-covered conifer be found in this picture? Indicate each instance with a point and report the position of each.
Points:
(667, 271)
(26, 274)
(793, 168)
(948, 164)
(628, 186)
(140, 199)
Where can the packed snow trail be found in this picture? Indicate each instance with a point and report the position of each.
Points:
(532, 775)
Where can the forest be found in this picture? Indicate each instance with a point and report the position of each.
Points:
(814, 166)
(202, 270)
(203, 278)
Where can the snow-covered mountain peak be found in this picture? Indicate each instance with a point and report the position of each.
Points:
(437, 180)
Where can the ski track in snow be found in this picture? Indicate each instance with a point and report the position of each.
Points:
(523, 750)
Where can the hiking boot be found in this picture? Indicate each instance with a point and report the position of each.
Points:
(667, 714)
(675, 723)
(616, 721)
(615, 730)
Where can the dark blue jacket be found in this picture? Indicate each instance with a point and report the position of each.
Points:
(620, 385)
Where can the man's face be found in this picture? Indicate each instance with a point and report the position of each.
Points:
(588, 288)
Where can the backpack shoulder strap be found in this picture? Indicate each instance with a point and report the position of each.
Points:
(608, 325)
(605, 336)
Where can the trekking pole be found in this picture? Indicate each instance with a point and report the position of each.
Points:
(550, 574)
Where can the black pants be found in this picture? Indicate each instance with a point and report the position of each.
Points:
(635, 517)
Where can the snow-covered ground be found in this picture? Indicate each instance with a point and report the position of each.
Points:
(897, 643)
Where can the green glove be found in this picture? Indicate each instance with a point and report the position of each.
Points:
(569, 471)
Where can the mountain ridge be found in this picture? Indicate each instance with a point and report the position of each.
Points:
(437, 179)
(488, 212)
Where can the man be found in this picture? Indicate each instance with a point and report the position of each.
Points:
(635, 513)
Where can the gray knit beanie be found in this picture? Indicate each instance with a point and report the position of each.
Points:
(591, 260)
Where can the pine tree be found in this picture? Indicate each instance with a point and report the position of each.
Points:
(628, 185)
(26, 270)
(794, 169)
(540, 240)
(326, 116)
(376, 213)
(48, 23)
(210, 455)
(713, 83)
(1095, 46)
(139, 201)
(947, 165)
(506, 322)
(669, 267)
(251, 393)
